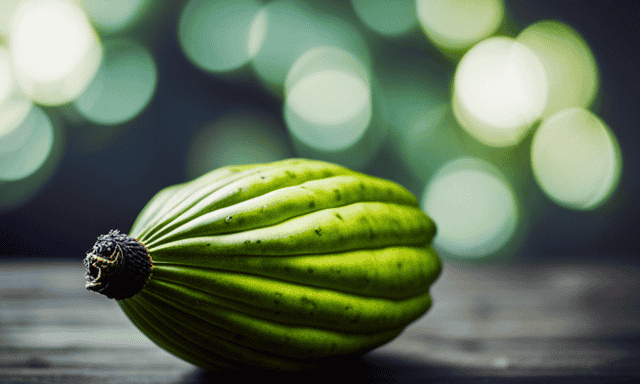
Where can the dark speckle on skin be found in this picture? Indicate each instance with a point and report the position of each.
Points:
(310, 270)
(337, 215)
(338, 194)
(365, 221)
(305, 300)
(318, 231)
(312, 204)
(396, 228)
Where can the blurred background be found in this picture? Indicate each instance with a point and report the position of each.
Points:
(513, 122)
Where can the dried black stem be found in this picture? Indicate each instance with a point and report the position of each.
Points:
(118, 266)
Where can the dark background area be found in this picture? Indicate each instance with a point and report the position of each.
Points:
(102, 182)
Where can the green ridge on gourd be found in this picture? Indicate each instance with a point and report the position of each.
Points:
(283, 266)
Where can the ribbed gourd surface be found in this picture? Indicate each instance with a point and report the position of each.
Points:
(282, 265)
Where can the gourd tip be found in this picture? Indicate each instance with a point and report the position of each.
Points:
(118, 266)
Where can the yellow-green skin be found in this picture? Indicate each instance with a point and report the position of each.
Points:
(282, 266)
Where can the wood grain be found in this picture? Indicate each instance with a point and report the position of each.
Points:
(534, 323)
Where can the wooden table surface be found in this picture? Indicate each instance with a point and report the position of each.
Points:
(577, 323)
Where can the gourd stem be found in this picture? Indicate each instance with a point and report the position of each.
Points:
(118, 266)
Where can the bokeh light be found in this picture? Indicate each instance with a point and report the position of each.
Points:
(17, 192)
(123, 86)
(220, 36)
(21, 158)
(14, 104)
(257, 33)
(7, 7)
(292, 29)
(6, 75)
(499, 91)
(571, 68)
(458, 24)
(576, 159)
(476, 209)
(328, 99)
(241, 137)
(13, 113)
(387, 17)
(114, 15)
(336, 104)
(55, 51)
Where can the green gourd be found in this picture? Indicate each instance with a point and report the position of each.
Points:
(283, 266)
